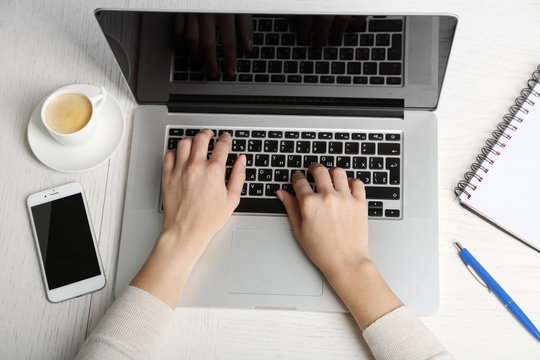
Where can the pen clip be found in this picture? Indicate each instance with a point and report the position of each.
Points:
(469, 267)
(475, 275)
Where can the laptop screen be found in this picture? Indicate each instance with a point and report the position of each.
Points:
(311, 60)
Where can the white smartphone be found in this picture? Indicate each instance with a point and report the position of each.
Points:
(65, 242)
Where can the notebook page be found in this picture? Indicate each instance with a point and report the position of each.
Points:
(509, 193)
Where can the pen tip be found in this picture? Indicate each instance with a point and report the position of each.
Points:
(458, 246)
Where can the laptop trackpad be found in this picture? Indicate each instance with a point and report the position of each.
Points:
(271, 262)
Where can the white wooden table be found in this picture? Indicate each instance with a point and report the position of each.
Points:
(44, 45)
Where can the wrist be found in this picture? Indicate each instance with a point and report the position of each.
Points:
(361, 274)
(181, 249)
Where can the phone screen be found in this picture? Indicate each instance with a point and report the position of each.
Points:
(65, 241)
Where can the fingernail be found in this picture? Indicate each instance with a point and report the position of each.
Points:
(279, 195)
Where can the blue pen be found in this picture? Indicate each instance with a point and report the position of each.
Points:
(493, 286)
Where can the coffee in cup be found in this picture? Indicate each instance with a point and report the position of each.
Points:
(70, 115)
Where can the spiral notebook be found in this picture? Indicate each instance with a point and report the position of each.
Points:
(503, 186)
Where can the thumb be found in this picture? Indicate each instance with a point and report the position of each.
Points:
(293, 208)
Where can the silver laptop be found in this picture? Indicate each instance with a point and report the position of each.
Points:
(355, 91)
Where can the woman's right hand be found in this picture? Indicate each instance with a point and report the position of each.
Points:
(330, 224)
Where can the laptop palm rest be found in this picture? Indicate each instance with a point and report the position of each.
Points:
(271, 262)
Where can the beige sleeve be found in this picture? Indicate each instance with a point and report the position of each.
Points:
(401, 335)
(129, 329)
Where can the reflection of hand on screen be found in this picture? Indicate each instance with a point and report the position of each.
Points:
(199, 33)
(325, 28)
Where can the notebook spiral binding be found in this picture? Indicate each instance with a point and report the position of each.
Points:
(499, 137)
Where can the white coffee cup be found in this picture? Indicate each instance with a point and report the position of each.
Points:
(70, 116)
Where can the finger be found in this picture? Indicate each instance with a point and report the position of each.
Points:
(300, 185)
(236, 180)
(168, 166)
(228, 39)
(305, 24)
(357, 189)
(292, 206)
(192, 34)
(339, 178)
(221, 149)
(183, 152)
(208, 43)
(322, 178)
(199, 149)
(339, 26)
(324, 23)
(245, 22)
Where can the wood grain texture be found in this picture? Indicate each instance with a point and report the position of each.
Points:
(45, 45)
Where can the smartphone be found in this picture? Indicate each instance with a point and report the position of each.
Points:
(65, 242)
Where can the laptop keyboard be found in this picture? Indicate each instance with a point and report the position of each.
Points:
(273, 155)
(372, 55)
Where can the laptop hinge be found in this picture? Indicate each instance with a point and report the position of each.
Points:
(287, 105)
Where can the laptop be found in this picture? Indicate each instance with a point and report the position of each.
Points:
(354, 91)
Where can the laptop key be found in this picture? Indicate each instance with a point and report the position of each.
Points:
(338, 67)
(281, 175)
(241, 133)
(354, 68)
(278, 78)
(255, 189)
(176, 132)
(308, 135)
(270, 146)
(330, 53)
(390, 68)
(275, 66)
(238, 145)
(367, 148)
(376, 136)
(299, 53)
(360, 80)
(278, 161)
(376, 80)
(327, 161)
(343, 162)
(292, 134)
(321, 67)
(359, 136)
(259, 66)
(303, 147)
(346, 54)
(388, 148)
(268, 52)
(352, 148)
(335, 147)
(306, 67)
(382, 192)
(366, 40)
(251, 174)
(289, 188)
(311, 79)
(393, 81)
(364, 176)
(254, 145)
(245, 77)
(264, 175)
(315, 54)
(350, 175)
(391, 213)
(325, 135)
(294, 161)
(380, 177)
(262, 78)
(249, 159)
(362, 54)
(258, 134)
(360, 162)
(262, 160)
(319, 147)
(393, 137)
(224, 131)
(382, 40)
(376, 163)
(392, 165)
(275, 134)
(283, 53)
(192, 132)
(310, 159)
(286, 146)
(326, 79)
(290, 67)
(294, 78)
(270, 189)
(260, 205)
(370, 68)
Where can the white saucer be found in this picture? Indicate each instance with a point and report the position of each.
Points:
(109, 134)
